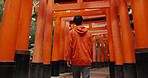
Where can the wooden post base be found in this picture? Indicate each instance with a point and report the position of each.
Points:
(54, 68)
(22, 58)
(62, 66)
(112, 69)
(119, 71)
(142, 62)
(129, 70)
(47, 71)
(7, 69)
(36, 70)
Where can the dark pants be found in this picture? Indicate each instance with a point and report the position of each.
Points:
(84, 69)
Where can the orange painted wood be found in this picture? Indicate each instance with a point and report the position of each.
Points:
(106, 50)
(39, 35)
(69, 2)
(24, 25)
(90, 26)
(98, 52)
(79, 1)
(102, 51)
(140, 17)
(127, 41)
(94, 49)
(100, 33)
(84, 17)
(129, 2)
(100, 37)
(66, 36)
(97, 4)
(134, 39)
(90, 0)
(36, 9)
(82, 13)
(116, 33)
(84, 5)
(62, 40)
(110, 36)
(8, 30)
(56, 41)
(98, 28)
(97, 21)
(48, 34)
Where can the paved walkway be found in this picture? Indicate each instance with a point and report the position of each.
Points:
(95, 73)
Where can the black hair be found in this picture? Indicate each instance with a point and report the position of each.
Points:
(78, 20)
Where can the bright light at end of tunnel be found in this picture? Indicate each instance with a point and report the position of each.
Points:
(29, 37)
(67, 11)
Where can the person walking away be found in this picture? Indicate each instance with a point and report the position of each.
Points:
(80, 49)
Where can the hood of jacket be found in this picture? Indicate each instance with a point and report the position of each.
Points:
(80, 30)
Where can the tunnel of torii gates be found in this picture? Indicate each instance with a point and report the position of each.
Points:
(128, 52)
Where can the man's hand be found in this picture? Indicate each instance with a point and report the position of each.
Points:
(68, 64)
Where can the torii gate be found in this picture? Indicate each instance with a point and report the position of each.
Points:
(13, 12)
(55, 55)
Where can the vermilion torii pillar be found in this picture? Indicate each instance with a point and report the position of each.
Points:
(110, 42)
(67, 24)
(140, 19)
(110, 37)
(24, 25)
(66, 37)
(22, 63)
(8, 37)
(48, 40)
(94, 52)
(106, 52)
(127, 41)
(37, 62)
(116, 40)
(102, 53)
(56, 42)
(39, 37)
(90, 26)
(134, 39)
(98, 55)
(111, 46)
(61, 47)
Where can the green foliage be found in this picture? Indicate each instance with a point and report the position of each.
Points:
(52, 34)
(33, 29)
(33, 24)
(31, 50)
(2, 4)
(32, 32)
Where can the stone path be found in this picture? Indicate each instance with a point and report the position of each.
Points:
(95, 73)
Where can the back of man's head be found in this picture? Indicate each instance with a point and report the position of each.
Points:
(78, 20)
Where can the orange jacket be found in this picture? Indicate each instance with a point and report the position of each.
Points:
(80, 47)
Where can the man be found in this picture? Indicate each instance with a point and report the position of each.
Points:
(80, 49)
